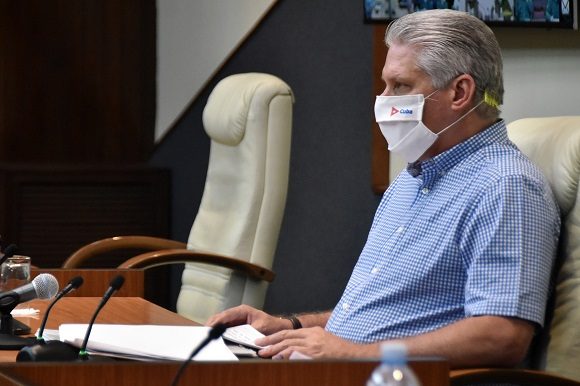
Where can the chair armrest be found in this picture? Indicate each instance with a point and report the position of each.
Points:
(173, 256)
(470, 377)
(77, 259)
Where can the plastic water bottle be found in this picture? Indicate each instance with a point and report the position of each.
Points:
(393, 370)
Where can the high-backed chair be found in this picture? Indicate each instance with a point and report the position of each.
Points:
(552, 143)
(231, 246)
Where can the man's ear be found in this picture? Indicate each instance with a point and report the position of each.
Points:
(463, 88)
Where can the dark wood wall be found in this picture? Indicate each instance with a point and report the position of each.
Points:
(77, 81)
(77, 117)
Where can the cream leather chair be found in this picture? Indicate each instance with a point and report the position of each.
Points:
(552, 143)
(231, 247)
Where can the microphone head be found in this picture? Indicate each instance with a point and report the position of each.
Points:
(76, 282)
(117, 282)
(45, 285)
(10, 250)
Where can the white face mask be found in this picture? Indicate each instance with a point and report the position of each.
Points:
(400, 121)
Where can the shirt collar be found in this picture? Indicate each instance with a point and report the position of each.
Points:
(430, 170)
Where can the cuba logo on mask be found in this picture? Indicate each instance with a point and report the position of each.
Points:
(403, 111)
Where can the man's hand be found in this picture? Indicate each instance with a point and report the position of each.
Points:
(261, 321)
(314, 342)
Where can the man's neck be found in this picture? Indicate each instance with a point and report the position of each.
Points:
(461, 131)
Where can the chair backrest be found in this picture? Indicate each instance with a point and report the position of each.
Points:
(249, 120)
(553, 143)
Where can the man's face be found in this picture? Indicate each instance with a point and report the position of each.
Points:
(401, 74)
(402, 77)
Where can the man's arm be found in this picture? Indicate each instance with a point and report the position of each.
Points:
(477, 341)
(472, 342)
(315, 319)
(263, 322)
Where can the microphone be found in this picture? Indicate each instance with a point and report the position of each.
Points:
(44, 286)
(73, 284)
(18, 328)
(8, 252)
(56, 350)
(115, 284)
(214, 333)
(53, 350)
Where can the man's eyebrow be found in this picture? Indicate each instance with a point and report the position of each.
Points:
(397, 78)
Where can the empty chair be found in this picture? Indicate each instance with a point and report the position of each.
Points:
(232, 243)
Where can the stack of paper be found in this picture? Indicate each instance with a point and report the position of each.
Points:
(147, 341)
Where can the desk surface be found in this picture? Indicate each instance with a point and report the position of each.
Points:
(132, 310)
(119, 310)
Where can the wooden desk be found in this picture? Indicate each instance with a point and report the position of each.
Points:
(120, 310)
(243, 373)
(132, 310)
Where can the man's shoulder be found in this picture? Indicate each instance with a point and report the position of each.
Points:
(502, 169)
(502, 160)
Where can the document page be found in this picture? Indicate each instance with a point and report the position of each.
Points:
(244, 335)
(148, 341)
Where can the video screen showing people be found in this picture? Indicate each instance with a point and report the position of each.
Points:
(487, 10)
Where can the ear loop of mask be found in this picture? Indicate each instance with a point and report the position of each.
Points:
(461, 117)
(429, 96)
(487, 98)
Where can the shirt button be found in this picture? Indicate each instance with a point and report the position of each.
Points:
(345, 306)
(425, 190)
(374, 270)
(400, 229)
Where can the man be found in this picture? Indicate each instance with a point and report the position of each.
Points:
(458, 259)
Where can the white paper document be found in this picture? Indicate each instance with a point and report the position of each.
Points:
(147, 341)
(19, 312)
(244, 335)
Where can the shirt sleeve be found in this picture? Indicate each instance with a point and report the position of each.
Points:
(508, 245)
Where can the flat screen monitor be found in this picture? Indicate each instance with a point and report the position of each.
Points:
(512, 13)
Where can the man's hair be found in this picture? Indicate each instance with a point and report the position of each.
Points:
(450, 43)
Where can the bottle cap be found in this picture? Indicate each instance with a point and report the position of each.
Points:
(393, 353)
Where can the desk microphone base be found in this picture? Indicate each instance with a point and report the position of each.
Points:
(11, 342)
(53, 350)
(56, 351)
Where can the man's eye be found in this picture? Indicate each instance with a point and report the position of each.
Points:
(399, 87)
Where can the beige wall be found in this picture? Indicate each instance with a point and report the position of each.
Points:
(194, 37)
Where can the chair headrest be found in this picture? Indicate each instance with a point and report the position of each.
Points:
(553, 143)
(226, 112)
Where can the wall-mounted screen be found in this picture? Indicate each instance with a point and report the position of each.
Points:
(526, 13)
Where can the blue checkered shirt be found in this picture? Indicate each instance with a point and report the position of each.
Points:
(474, 232)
